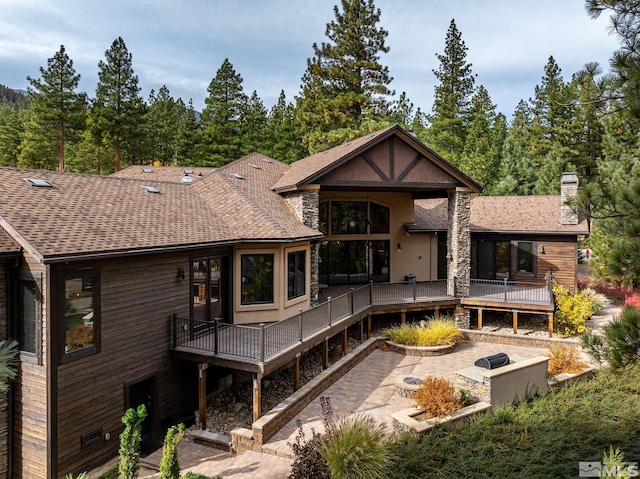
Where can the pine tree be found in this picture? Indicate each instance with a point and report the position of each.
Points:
(402, 112)
(516, 175)
(479, 157)
(118, 109)
(452, 101)
(345, 87)
(287, 146)
(222, 118)
(256, 136)
(188, 131)
(57, 113)
(161, 119)
(11, 131)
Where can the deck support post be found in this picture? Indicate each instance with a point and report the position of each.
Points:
(403, 317)
(235, 384)
(300, 323)
(515, 321)
(361, 324)
(325, 353)
(369, 325)
(344, 342)
(257, 396)
(436, 313)
(202, 395)
(479, 319)
(550, 325)
(296, 373)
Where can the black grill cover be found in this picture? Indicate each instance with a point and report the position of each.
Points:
(493, 362)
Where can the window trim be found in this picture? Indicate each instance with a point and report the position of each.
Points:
(272, 302)
(28, 356)
(61, 278)
(296, 252)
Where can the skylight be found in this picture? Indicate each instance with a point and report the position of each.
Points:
(236, 175)
(147, 170)
(38, 182)
(254, 166)
(187, 179)
(267, 160)
(151, 189)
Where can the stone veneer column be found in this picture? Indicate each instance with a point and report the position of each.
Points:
(459, 250)
(306, 205)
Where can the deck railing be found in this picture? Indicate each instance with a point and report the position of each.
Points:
(263, 341)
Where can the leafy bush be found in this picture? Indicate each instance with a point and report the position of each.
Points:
(356, 447)
(130, 439)
(564, 358)
(196, 475)
(598, 300)
(169, 465)
(437, 397)
(466, 398)
(308, 461)
(633, 300)
(619, 344)
(572, 310)
(618, 292)
(436, 332)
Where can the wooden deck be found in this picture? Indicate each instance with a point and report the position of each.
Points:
(264, 348)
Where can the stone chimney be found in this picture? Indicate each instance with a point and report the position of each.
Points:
(568, 191)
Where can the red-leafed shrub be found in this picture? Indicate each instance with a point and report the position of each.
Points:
(633, 300)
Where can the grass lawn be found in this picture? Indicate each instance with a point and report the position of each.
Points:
(545, 437)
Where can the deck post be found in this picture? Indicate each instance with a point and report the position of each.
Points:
(216, 325)
(262, 342)
(479, 319)
(505, 290)
(403, 317)
(329, 309)
(550, 285)
(257, 396)
(369, 325)
(515, 321)
(325, 353)
(296, 373)
(235, 384)
(370, 293)
(202, 395)
(300, 323)
(414, 287)
(344, 342)
(351, 300)
(436, 313)
(551, 325)
(361, 324)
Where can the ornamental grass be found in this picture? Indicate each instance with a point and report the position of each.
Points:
(436, 332)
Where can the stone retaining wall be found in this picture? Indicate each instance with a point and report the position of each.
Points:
(515, 339)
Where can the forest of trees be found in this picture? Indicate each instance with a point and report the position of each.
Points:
(586, 122)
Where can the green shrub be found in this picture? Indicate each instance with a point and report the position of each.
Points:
(436, 332)
(572, 311)
(619, 344)
(169, 465)
(196, 475)
(130, 439)
(356, 447)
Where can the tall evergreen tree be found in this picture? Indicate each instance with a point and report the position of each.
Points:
(57, 112)
(11, 131)
(222, 118)
(287, 146)
(161, 119)
(256, 136)
(478, 158)
(516, 176)
(402, 112)
(452, 101)
(118, 109)
(188, 130)
(345, 87)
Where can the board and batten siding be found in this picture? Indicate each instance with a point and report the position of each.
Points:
(137, 298)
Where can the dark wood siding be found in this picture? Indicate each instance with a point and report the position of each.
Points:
(138, 297)
(561, 258)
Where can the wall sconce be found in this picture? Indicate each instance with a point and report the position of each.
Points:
(542, 249)
(399, 247)
(181, 275)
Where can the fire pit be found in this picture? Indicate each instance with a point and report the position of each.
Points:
(407, 385)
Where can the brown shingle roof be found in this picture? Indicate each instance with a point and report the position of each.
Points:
(7, 244)
(174, 174)
(89, 215)
(501, 214)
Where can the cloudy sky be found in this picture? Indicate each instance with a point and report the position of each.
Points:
(182, 43)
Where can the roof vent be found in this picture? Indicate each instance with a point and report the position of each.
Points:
(38, 182)
(254, 166)
(151, 189)
(236, 175)
(268, 160)
(147, 170)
